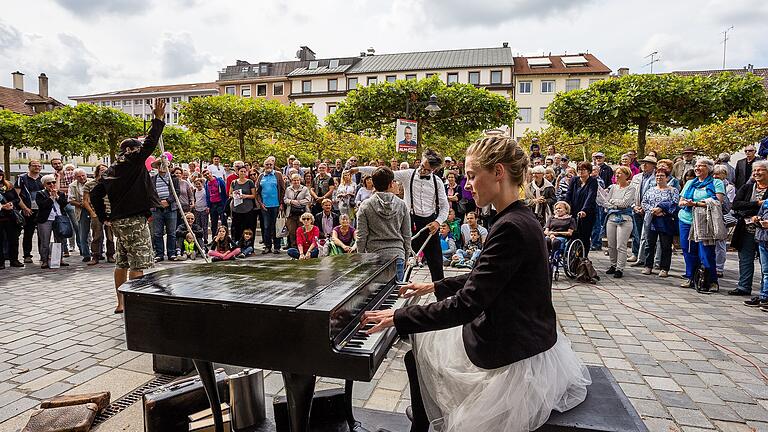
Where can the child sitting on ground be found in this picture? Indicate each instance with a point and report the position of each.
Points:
(222, 248)
(447, 243)
(181, 235)
(466, 257)
(189, 247)
(246, 243)
(560, 227)
(455, 226)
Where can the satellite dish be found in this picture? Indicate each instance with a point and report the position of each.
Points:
(298, 54)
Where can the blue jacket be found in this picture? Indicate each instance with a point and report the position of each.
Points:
(666, 224)
(222, 191)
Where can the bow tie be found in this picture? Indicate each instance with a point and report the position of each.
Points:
(426, 177)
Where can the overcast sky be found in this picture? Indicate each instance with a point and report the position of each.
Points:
(93, 46)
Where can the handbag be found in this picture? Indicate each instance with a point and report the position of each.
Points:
(17, 216)
(62, 226)
(280, 228)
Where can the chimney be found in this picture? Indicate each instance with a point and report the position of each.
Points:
(371, 51)
(18, 80)
(362, 53)
(751, 68)
(42, 88)
(305, 53)
(505, 44)
(623, 71)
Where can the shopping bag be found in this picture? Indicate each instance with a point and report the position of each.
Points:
(55, 255)
(280, 228)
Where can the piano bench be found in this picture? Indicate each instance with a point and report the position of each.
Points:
(606, 408)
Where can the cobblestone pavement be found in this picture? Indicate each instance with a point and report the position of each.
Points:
(58, 335)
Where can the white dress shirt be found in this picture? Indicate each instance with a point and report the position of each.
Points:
(422, 191)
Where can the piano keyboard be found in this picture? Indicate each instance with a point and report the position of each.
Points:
(359, 341)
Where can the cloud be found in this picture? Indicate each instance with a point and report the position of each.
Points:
(680, 53)
(736, 12)
(90, 8)
(494, 12)
(179, 57)
(10, 38)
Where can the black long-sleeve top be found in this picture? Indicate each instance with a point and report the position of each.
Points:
(45, 205)
(582, 196)
(127, 182)
(504, 304)
(9, 195)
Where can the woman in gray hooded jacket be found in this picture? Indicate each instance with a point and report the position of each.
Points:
(383, 222)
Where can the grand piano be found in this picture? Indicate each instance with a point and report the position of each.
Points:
(298, 317)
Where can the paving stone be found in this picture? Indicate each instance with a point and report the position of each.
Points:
(639, 391)
(719, 412)
(750, 411)
(690, 417)
(87, 374)
(384, 400)
(52, 390)
(703, 395)
(649, 408)
(45, 380)
(675, 399)
(15, 408)
(659, 383)
(661, 425)
(725, 426)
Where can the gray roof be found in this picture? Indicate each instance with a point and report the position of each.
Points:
(462, 58)
(321, 70)
(245, 70)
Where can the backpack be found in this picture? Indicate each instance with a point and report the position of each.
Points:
(585, 271)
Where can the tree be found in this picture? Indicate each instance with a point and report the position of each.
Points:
(731, 135)
(650, 103)
(464, 109)
(244, 120)
(11, 135)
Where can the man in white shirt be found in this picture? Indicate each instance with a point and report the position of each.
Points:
(424, 194)
(471, 224)
(216, 169)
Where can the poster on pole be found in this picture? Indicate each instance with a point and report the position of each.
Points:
(406, 136)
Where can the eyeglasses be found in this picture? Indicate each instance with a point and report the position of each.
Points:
(749, 151)
(47, 183)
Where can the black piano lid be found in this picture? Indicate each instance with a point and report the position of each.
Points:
(277, 283)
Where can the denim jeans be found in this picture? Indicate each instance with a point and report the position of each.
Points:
(164, 221)
(400, 269)
(268, 228)
(637, 233)
(763, 247)
(696, 254)
(598, 231)
(747, 261)
(82, 231)
(69, 210)
(294, 253)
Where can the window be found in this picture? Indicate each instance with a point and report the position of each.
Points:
(105, 104)
(572, 84)
(147, 117)
(333, 84)
(105, 160)
(594, 80)
(245, 90)
(309, 106)
(474, 78)
(244, 69)
(331, 108)
(410, 77)
(175, 117)
(138, 102)
(548, 86)
(313, 65)
(176, 99)
(44, 157)
(189, 98)
(525, 115)
(127, 102)
(230, 90)
(306, 86)
(138, 116)
(261, 90)
(542, 110)
(116, 103)
(453, 77)
(263, 69)
(429, 74)
(167, 117)
(371, 80)
(333, 64)
(149, 101)
(496, 77)
(351, 83)
(391, 78)
(277, 89)
(22, 155)
(524, 87)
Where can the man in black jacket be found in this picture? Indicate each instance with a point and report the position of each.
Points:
(744, 167)
(131, 196)
(746, 204)
(327, 219)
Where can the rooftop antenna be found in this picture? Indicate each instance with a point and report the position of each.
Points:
(653, 60)
(725, 42)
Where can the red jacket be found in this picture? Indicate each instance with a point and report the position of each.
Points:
(307, 239)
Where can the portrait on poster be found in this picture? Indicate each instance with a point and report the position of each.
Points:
(406, 135)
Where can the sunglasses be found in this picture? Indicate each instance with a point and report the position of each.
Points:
(749, 151)
(47, 183)
(306, 218)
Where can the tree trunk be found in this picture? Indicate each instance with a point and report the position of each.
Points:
(112, 152)
(242, 147)
(642, 130)
(7, 160)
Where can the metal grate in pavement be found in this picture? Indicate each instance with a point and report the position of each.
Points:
(131, 398)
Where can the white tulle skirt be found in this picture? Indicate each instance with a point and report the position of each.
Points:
(459, 396)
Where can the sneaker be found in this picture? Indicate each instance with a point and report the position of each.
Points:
(719, 274)
(87, 259)
(646, 271)
(66, 255)
(755, 302)
(638, 264)
(241, 256)
(17, 263)
(111, 260)
(43, 266)
(611, 270)
(216, 259)
(656, 267)
(63, 264)
(632, 258)
(470, 264)
(180, 258)
(27, 260)
(738, 292)
(173, 258)
(618, 274)
(159, 259)
(276, 251)
(606, 253)
(688, 283)
(265, 251)
(93, 262)
(663, 274)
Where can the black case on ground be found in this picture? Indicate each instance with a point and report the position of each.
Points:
(168, 365)
(328, 409)
(167, 407)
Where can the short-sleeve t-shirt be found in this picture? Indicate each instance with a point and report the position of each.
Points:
(700, 194)
(245, 188)
(29, 188)
(561, 225)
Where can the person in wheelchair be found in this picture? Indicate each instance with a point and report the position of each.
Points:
(559, 229)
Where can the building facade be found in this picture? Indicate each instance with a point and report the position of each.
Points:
(538, 79)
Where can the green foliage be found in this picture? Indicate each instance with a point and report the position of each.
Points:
(230, 119)
(649, 103)
(731, 135)
(580, 146)
(11, 134)
(83, 129)
(464, 110)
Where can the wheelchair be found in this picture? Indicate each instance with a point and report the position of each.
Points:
(567, 258)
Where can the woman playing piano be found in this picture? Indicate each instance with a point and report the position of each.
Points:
(488, 353)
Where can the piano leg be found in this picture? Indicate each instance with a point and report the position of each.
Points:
(208, 377)
(354, 425)
(299, 391)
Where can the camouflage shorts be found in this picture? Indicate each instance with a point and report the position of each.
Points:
(134, 243)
